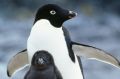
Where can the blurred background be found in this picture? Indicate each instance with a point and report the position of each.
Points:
(97, 24)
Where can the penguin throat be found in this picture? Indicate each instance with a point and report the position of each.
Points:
(38, 68)
(56, 23)
(49, 23)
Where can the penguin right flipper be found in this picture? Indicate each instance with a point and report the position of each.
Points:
(94, 53)
(20, 60)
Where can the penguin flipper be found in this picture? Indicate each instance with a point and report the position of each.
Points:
(18, 61)
(94, 53)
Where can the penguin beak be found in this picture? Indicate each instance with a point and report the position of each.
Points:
(71, 14)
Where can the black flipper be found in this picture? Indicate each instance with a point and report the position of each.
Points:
(94, 53)
(18, 61)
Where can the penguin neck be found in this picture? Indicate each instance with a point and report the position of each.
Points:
(43, 28)
(46, 24)
(39, 71)
(37, 68)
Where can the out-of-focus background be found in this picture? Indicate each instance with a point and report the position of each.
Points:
(97, 24)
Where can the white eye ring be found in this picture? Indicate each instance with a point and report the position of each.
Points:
(52, 12)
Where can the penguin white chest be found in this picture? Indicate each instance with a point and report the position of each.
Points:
(44, 36)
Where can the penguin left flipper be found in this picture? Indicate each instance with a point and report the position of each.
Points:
(94, 53)
(20, 60)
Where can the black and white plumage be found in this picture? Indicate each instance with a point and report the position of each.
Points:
(48, 34)
(42, 67)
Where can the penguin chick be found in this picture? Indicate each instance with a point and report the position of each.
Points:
(42, 67)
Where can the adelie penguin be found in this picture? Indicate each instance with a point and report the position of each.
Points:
(49, 34)
(42, 67)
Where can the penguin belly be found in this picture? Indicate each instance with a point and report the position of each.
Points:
(46, 37)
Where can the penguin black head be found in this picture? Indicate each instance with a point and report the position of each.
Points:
(55, 14)
(42, 60)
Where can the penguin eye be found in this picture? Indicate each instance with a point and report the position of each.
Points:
(52, 12)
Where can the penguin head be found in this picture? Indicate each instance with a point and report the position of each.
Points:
(55, 14)
(42, 60)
